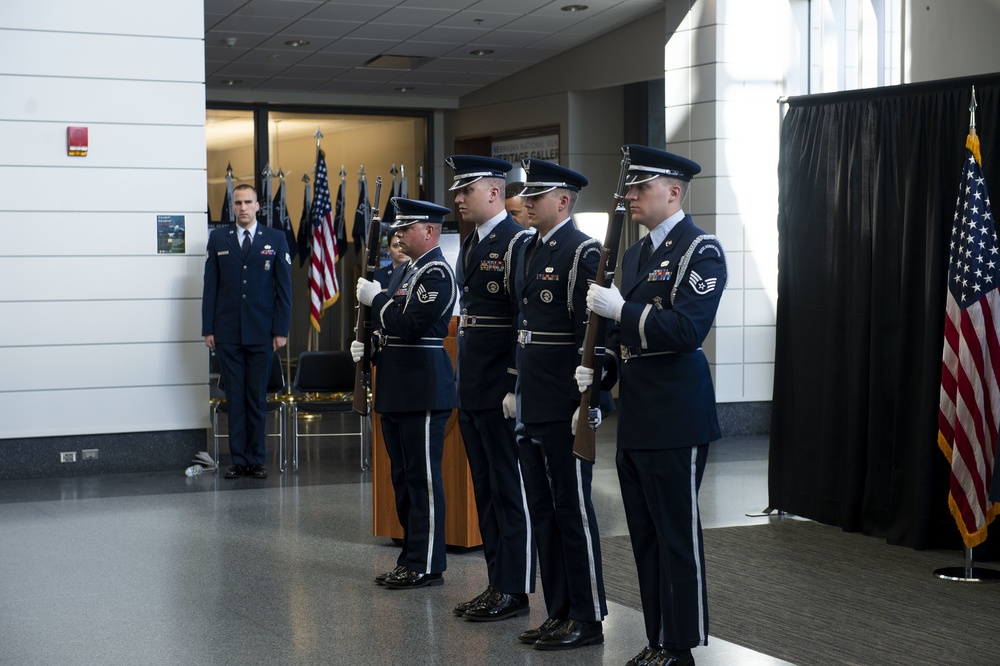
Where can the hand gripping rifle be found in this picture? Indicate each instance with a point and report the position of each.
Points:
(363, 329)
(585, 443)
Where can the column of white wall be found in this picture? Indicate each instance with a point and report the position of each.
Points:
(99, 333)
(725, 68)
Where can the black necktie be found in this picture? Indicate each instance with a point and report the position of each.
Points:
(530, 254)
(246, 243)
(645, 250)
(473, 242)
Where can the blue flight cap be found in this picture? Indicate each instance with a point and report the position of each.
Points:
(544, 177)
(649, 163)
(411, 211)
(470, 168)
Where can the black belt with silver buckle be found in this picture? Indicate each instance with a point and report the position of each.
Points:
(483, 321)
(422, 343)
(525, 338)
(636, 352)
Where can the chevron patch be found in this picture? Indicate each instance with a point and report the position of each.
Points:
(702, 286)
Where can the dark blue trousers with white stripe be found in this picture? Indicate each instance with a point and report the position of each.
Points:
(415, 444)
(564, 522)
(660, 494)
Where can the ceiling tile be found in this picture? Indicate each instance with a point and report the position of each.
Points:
(287, 9)
(308, 27)
(449, 35)
(347, 12)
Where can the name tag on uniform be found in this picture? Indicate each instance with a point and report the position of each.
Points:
(221, 252)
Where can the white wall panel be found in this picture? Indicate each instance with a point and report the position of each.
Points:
(136, 146)
(30, 234)
(102, 56)
(99, 322)
(82, 101)
(86, 189)
(103, 411)
(102, 366)
(180, 18)
(102, 278)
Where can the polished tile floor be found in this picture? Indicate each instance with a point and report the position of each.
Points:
(159, 568)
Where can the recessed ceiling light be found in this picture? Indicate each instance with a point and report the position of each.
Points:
(575, 8)
(297, 42)
(404, 89)
(481, 52)
(232, 82)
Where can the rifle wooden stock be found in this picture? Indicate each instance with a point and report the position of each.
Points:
(585, 440)
(363, 328)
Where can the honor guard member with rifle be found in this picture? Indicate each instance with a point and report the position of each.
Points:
(486, 374)
(416, 387)
(246, 310)
(672, 282)
(550, 286)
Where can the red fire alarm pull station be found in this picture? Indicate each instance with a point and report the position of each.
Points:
(76, 141)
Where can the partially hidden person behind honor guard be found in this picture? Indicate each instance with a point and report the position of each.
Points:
(415, 391)
(550, 286)
(246, 310)
(514, 203)
(384, 274)
(486, 375)
(671, 284)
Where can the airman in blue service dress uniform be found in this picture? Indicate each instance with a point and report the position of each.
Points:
(671, 285)
(486, 374)
(550, 286)
(415, 392)
(246, 310)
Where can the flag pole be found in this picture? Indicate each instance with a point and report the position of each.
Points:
(288, 344)
(972, 534)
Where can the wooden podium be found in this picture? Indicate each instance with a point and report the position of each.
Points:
(461, 526)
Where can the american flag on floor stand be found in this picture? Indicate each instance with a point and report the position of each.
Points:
(970, 366)
(323, 287)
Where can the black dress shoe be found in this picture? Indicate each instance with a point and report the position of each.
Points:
(499, 607)
(381, 578)
(460, 609)
(530, 636)
(646, 657)
(572, 634)
(236, 471)
(256, 471)
(664, 658)
(410, 580)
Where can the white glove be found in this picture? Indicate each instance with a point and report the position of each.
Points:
(586, 422)
(357, 350)
(367, 291)
(606, 302)
(509, 406)
(584, 377)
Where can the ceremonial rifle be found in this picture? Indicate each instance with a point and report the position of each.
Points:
(585, 442)
(363, 329)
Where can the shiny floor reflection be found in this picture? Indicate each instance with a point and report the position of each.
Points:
(159, 568)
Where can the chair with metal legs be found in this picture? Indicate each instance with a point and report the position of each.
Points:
(325, 382)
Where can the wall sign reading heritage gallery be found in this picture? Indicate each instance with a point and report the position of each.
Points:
(545, 147)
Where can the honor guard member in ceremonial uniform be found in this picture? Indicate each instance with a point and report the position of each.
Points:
(550, 286)
(246, 310)
(486, 374)
(671, 285)
(416, 387)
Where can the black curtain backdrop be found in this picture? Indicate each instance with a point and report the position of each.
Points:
(867, 188)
